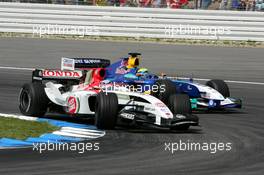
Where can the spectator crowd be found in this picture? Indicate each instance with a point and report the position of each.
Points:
(245, 5)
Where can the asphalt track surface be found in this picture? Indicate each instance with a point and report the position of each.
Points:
(128, 151)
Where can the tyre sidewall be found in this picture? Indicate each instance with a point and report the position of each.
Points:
(180, 104)
(106, 109)
(220, 86)
(37, 97)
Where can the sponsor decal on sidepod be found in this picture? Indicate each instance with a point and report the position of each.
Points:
(73, 105)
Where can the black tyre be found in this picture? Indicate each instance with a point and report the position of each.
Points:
(165, 89)
(33, 100)
(180, 104)
(220, 86)
(106, 109)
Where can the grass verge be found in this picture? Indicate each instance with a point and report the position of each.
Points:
(222, 43)
(22, 129)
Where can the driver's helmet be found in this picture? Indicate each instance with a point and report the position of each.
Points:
(142, 71)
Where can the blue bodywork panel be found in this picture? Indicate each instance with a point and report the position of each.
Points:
(118, 73)
(187, 87)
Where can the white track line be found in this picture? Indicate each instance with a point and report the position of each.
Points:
(63, 133)
(199, 79)
(16, 68)
(228, 81)
(73, 131)
(81, 129)
(22, 117)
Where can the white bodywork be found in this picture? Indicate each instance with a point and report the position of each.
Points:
(76, 101)
(208, 92)
(211, 94)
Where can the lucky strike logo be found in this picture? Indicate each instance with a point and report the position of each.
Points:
(72, 105)
(59, 73)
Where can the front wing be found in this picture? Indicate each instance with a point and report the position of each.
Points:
(217, 104)
(131, 117)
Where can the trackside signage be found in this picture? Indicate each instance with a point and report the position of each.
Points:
(61, 74)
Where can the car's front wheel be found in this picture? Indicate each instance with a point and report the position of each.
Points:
(180, 104)
(106, 110)
(220, 86)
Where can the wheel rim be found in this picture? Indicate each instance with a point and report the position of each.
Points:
(25, 100)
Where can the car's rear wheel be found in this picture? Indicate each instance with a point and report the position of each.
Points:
(106, 109)
(33, 100)
(165, 88)
(220, 86)
(180, 104)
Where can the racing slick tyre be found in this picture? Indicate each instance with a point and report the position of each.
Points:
(165, 89)
(180, 104)
(33, 100)
(220, 86)
(106, 109)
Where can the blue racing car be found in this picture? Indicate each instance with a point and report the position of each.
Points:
(214, 94)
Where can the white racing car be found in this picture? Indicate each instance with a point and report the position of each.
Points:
(78, 88)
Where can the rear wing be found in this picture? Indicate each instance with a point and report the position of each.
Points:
(83, 63)
(53, 74)
(71, 69)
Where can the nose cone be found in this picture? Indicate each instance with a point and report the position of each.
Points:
(214, 94)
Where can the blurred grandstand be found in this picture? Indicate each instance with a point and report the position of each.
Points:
(242, 5)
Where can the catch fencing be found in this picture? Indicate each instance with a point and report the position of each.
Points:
(43, 19)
